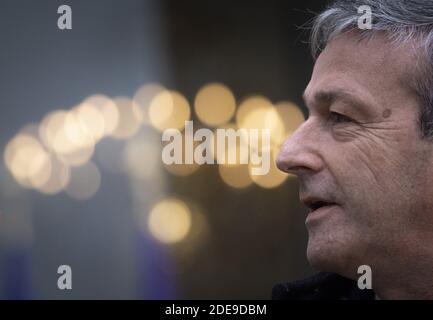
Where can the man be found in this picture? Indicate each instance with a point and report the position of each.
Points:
(364, 156)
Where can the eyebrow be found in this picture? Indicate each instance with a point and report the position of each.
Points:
(328, 97)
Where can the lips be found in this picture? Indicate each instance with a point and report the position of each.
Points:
(319, 208)
(315, 203)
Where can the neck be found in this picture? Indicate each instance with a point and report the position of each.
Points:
(406, 276)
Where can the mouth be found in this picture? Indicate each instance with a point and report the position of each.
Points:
(319, 204)
(316, 204)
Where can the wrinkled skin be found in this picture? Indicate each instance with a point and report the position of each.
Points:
(361, 147)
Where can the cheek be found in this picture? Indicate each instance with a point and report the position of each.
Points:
(368, 164)
(380, 187)
(366, 176)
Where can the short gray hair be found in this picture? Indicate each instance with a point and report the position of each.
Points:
(403, 21)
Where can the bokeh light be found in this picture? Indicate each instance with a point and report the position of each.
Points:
(291, 116)
(39, 170)
(250, 104)
(67, 137)
(183, 169)
(233, 153)
(107, 109)
(257, 113)
(169, 221)
(28, 161)
(221, 155)
(56, 133)
(274, 178)
(78, 156)
(91, 121)
(59, 177)
(215, 104)
(169, 109)
(236, 176)
(196, 240)
(144, 96)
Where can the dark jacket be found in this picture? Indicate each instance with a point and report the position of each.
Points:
(322, 286)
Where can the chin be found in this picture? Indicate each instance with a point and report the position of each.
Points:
(320, 260)
(331, 256)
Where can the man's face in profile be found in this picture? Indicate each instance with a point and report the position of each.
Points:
(363, 167)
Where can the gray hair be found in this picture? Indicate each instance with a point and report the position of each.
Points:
(403, 21)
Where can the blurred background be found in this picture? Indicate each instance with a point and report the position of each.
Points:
(81, 177)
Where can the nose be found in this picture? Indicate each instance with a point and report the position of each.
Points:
(300, 154)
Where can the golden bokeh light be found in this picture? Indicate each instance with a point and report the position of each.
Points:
(215, 104)
(107, 109)
(13, 147)
(144, 96)
(91, 120)
(77, 157)
(161, 109)
(240, 149)
(169, 110)
(274, 177)
(75, 133)
(59, 177)
(53, 133)
(236, 176)
(291, 116)
(249, 105)
(27, 160)
(169, 221)
(232, 154)
(39, 171)
(262, 119)
(194, 243)
(183, 169)
(64, 133)
(129, 118)
(84, 182)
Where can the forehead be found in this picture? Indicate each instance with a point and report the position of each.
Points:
(372, 69)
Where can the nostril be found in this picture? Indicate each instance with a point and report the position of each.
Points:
(299, 162)
(295, 169)
(280, 163)
(299, 155)
(286, 165)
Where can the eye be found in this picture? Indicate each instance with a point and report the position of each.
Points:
(339, 118)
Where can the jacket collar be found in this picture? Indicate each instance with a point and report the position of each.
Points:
(322, 286)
